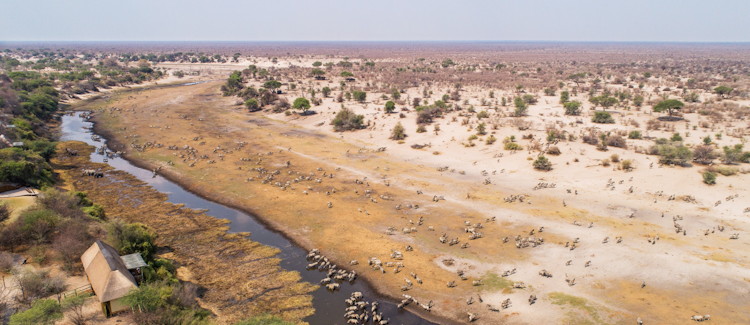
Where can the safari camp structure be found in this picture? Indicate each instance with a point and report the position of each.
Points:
(111, 276)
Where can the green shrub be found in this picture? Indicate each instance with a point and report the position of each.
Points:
(709, 178)
(346, 120)
(130, 238)
(635, 134)
(490, 140)
(542, 163)
(512, 146)
(483, 114)
(398, 132)
(603, 118)
(42, 311)
(670, 154)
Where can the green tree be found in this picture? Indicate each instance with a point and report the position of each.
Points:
(301, 103)
(252, 104)
(317, 72)
(346, 74)
(668, 105)
(390, 106)
(234, 84)
(346, 120)
(605, 101)
(723, 91)
(521, 106)
(326, 91)
(572, 108)
(732, 154)
(317, 64)
(272, 84)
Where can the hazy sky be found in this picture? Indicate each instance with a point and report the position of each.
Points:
(342, 20)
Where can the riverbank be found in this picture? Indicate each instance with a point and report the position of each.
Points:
(241, 278)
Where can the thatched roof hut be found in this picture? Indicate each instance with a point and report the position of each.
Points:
(109, 275)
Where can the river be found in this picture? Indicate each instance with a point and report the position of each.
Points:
(329, 306)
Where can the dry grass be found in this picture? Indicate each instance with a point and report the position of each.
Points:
(242, 277)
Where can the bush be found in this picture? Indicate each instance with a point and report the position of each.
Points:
(4, 212)
(398, 132)
(43, 311)
(359, 96)
(603, 118)
(626, 164)
(615, 158)
(616, 141)
(512, 146)
(483, 114)
(671, 154)
(148, 297)
(346, 120)
(732, 154)
(7, 261)
(130, 238)
(37, 284)
(635, 134)
(542, 163)
(704, 154)
(490, 140)
(553, 150)
(723, 170)
(252, 104)
(572, 108)
(39, 224)
(709, 178)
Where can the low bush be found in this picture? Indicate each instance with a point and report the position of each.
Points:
(709, 178)
(602, 117)
(347, 120)
(542, 163)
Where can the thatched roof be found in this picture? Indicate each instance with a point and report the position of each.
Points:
(106, 271)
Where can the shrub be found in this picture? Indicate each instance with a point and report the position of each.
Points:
(4, 212)
(572, 108)
(512, 146)
(709, 178)
(603, 118)
(148, 297)
(635, 134)
(704, 154)
(616, 141)
(43, 311)
(553, 150)
(346, 120)
(130, 238)
(732, 154)
(615, 158)
(6, 262)
(398, 132)
(542, 163)
(359, 96)
(252, 104)
(37, 284)
(676, 138)
(483, 114)
(723, 170)
(521, 107)
(39, 224)
(605, 162)
(490, 140)
(421, 129)
(626, 164)
(671, 154)
(482, 129)
(390, 106)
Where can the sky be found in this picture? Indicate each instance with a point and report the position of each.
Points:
(376, 20)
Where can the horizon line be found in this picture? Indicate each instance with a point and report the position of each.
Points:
(371, 41)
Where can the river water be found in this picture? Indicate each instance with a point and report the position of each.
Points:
(329, 306)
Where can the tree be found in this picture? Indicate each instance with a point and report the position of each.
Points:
(577, 77)
(317, 72)
(723, 91)
(732, 154)
(317, 64)
(234, 84)
(326, 91)
(482, 129)
(252, 104)
(704, 154)
(605, 101)
(346, 74)
(301, 103)
(572, 108)
(709, 178)
(668, 105)
(390, 106)
(398, 132)
(521, 106)
(272, 84)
